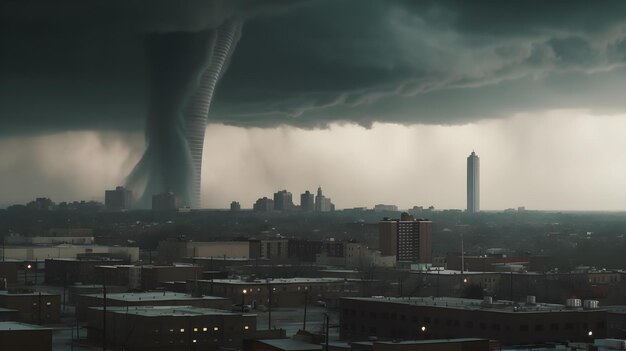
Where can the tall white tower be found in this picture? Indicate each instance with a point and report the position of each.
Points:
(473, 183)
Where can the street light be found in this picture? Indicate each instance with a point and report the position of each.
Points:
(28, 267)
(306, 299)
(243, 299)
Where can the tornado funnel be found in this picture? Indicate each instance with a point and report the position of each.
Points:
(184, 69)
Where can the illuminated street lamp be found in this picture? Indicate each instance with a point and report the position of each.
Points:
(28, 268)
(243, 299)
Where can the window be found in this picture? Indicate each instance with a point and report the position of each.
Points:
(469, 324)
(495, 327)
(523, 327)
(554, 326)
(569, 326)
(538, 327)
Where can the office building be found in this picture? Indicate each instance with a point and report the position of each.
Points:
(322, 203)
(164, 202)
(263, 205)
(307, 202)
(473, 183)
(118, 199)
(235, 206)
(408, 239)
(445, 317)
(283, 201)
(170, 328)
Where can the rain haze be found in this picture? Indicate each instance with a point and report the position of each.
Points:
(376, 101)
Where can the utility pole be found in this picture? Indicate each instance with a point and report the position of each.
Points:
(269, 305)
(39, 310)
(327, 328)
(306, 299)
(104, 315)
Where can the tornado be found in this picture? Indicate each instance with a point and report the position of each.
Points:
(184, 70)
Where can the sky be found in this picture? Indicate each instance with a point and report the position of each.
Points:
(376, 101)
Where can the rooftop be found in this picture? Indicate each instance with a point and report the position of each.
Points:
(153, 296)
(172, 311)
(472, 304)
(6, 326)
(281, 281)
(290, 344)
(418, 342)
(26, 293)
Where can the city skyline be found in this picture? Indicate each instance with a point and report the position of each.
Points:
(531, 86)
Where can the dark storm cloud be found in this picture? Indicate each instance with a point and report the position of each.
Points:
(82, 64)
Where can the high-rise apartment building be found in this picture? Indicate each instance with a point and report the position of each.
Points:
(118, 199)
(263, 205)
(307, 201)
(283, 201)
(407, 238)
(235, 206)
(164, 202)
(473, 183)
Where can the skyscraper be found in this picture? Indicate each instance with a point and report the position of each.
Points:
(473, 183)
(322, 203)
(118, 199)
(307, 201)
(283, 201)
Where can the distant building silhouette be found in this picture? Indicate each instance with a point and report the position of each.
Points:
(322, 203)
(385, 208)
(407, 238)
(235, 206)
(164, 202)
(41, 204)
(263, 205)
(473, 183)
(283, 201)
(307, 201)
(118, 199)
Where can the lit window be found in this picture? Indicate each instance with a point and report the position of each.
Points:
(182, 330)
(204, 329)
(246, 327)
(216, 328)
(194, 340)
(48, 303)
(195, 329)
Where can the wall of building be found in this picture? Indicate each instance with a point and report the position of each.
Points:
(361, 319)
(31, 339)
(33, 308)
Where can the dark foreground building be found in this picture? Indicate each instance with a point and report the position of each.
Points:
(434, 318)
(171, 328)
(21, 336)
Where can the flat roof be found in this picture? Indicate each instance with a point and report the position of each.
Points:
(34, 293)
(290, 344)
(458, 272)
(171, 311)
(472, 304)
(7, 326)
(86, 259)
(222, 258)
(418, 342)
(154, 296)
(280, 281)
(7, 310)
